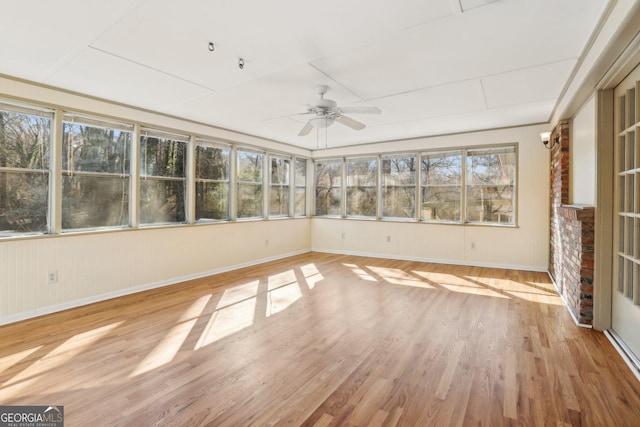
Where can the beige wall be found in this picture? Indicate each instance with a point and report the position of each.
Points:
(96, 266)
(524, 247)
(582, 180)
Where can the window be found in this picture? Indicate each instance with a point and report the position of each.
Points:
(280, 178)
(301, 187)
(249, 195)
(399, 186)
(362, 186)
(24, 169)
(491, 178)
(212, 181)
(162, 177)
(95, 173)
(328, 187)
(441, 186)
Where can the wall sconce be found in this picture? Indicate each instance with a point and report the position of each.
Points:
(546, 136)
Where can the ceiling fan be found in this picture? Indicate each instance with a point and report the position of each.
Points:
(326, 112)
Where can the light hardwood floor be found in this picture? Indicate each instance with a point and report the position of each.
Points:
(321, 340)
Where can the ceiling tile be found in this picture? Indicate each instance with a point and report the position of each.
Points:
(501, 37)
(36, 37)
(98, 74)
(279, 94)
(528, 85)
(268, 35)
(534, 112)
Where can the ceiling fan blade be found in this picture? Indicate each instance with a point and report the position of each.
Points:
(361, 110)
(349, 122)
(305, 129)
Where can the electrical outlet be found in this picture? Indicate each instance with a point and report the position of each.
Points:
(388, 238)
(52, 277)
(473, 245)
(266, 242)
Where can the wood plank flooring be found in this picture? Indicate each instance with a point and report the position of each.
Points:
(323, 340)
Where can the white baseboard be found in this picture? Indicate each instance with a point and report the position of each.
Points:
(435, 260)
(41, 311)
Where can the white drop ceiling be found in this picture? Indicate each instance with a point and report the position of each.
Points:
(432, 67)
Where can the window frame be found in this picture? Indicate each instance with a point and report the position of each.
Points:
(46, 168)
(340, 187)
(89, 121)
(258, 183)
(514, 185)
(460, 186)
(297, 186)
(376, 185)
(166, 136)
(227, 150)
(415, 185)
(285, 188)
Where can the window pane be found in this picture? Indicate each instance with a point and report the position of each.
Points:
(301, 201)
(161, 201)
(94, 201)
(162, 157)
(212, 163)
(90, 201)
(361, 187)
(279, 192)
(328, 187)
(249, 201)
(301, 187)
(249, 198)
(212, 200)
(441, 203)
(24, 141)
(249, 167)
(279, 201)
(23, 202)
(491, 185)
(24, 196)
(280, 170)
(441, 183)
(95, 149)
(399, 186)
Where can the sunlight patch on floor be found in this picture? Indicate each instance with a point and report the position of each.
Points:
(167, 349)
(239, 293)
(474, 290)
(313, 280)
(281, 279)
(360, 273)
(64, 352)
(7, 362)
(280, 299)
(228, 320)
(309, 270)
(399, 277)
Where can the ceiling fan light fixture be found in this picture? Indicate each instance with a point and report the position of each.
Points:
(321, 122)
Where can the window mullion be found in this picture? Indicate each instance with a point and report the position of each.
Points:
(190, 199)
(55, 175)
(134, 184)
(233, 183)
(418, 188)
(463, 190)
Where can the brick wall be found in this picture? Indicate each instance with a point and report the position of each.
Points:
(571, 244)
